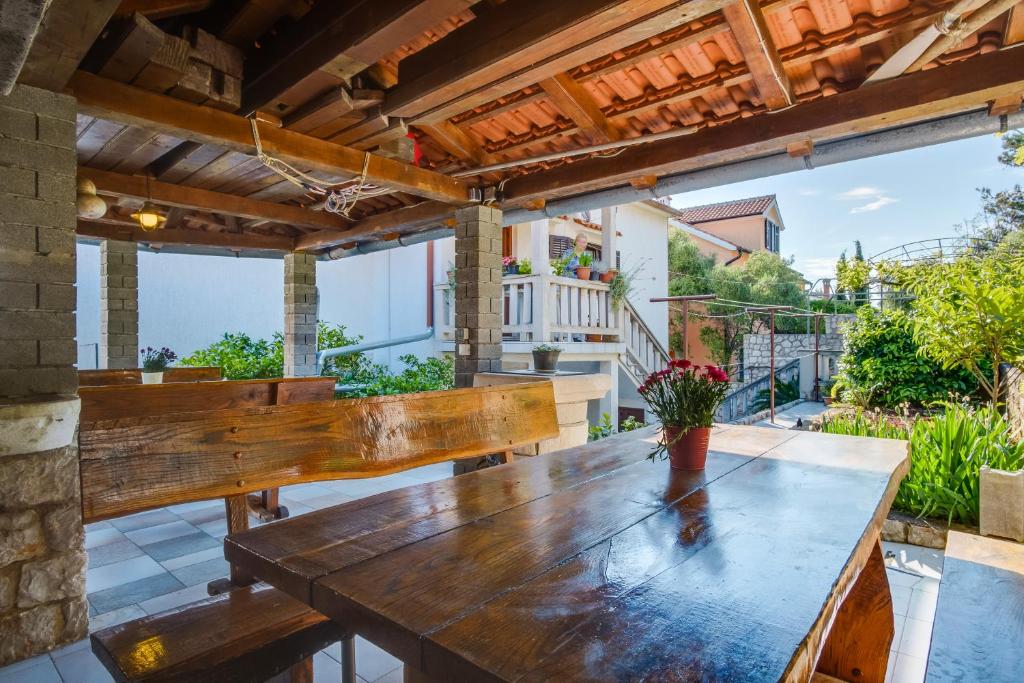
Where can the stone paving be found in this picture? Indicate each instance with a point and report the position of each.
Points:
(158, 560)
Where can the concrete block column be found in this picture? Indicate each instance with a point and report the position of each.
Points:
(119, 304)
(42, 560)
(478, 304)
(300, 312)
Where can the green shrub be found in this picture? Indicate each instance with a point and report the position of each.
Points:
(429, 374)
(881, 362)
(946, 455)
(785, 392)
(239, 356)
(602, 429)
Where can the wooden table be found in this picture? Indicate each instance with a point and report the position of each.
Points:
(593, 564)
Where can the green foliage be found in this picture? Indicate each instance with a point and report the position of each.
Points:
(547, 347)
(622, 284)
(785, 392)
(525, 266)
(239, 356)
(585, 259)
(631, 424)
(429, 374)
(604, 428)
(881, 360)
(947, 453)
(852, 277)
(969, 314)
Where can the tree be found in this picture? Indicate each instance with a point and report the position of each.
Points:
(1002, 213)
(968, 313)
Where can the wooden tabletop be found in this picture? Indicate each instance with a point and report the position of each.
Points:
(596, 564)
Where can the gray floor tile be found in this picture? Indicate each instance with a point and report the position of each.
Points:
(194, 558)
(181, 545)
(174, 599)
(134, 592)
(204, 515)
(161, 532)
(203, 572)
(81, 666)
(117, 573)
(115, 617)
(217, 529)
(98, 537)
(102, 555)
(35, 670)
(328, 500)
(371, 661)
(144, 519)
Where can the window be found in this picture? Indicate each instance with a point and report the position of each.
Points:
(771, 236)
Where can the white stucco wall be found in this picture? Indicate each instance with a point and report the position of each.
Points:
(644, 242)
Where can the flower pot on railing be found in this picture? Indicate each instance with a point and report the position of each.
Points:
(595, 276)
(152, 378)
(545, 359)
(609, 276)
(583, 272)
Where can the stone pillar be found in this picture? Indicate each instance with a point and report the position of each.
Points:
(477, 292)
(609, 403)
(609, 237)
(42, 560)
(119, 304)
(300, 310)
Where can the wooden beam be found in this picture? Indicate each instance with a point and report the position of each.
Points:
(933, 93)
(198, 238)
(362, 30)
(68, 30)
(118, 185)
(1005, 105)
(131, 106)
(973, 22)
(457, 142)
(751, 31)
(1014, 32)
(160, 9)
(323, 108)
(575, 102)
(520, 43)
(375, 227)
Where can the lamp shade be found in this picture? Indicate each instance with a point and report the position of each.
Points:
(149, 217)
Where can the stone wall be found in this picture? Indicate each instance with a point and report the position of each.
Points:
(478, 299)
(300, 312)
(119, 304)
(42, 559)
(757, 356)
(1014, 398)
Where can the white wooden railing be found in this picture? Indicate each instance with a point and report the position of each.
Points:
(644, 353)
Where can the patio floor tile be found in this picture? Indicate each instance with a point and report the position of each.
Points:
(917, 635)
(102, 536)
(901, 598)
(210, 513)
(80, 666)
(203, 572)
(118, 573)
(181, 545)
(909, 669)
(109, 553)
(36, 670)
(922, 605)
(161, 532)
(194, 557)
(144, 519)
(115, 617)
(174, 598)
(133, 592)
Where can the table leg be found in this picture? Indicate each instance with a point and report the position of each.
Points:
(237, 511)
(857, 648)
(413, 675)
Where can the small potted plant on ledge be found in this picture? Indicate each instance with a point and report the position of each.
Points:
(545, 358)
(154, 362)
(525, 267)
(509, 265)
(609, 275)
(584, 261)
(684, 397)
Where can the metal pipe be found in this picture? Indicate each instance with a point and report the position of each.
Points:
(384, 245)
(324, 355)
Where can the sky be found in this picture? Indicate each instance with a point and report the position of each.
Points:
(884, 201)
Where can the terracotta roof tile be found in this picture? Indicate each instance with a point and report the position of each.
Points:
(751, 206)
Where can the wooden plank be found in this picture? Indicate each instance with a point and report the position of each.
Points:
(132, 106)
(320, 110)
(915, 97)
(116, 402)
(166, 66)
(195, 456)
(252, 20)
(518, 44)
(67, 31)
(364, 31)
(127, 231)
(221, 56)
(1014, 32)
(751, 32)
(458, 143)
(127, 49)
(405, 219)
(373, 122)
(105, 377)
(576, 103)
(160, 9)
(978, 621)
(119, 185)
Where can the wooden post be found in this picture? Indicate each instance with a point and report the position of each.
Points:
(771, 373)
(817, 358)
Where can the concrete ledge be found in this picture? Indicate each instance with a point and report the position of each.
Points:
(1002, 504)
(37, 424)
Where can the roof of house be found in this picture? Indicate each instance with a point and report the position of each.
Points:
(708, 237)
(751, 206)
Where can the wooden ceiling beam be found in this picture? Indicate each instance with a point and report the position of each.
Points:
(128, 233)
(928, 94)
(193, 198)
(751, 32)
(160, 9)
(575, 102)
(362, 30)
(67, 31)
(131, 106)
(1014, 32)
(375, 227)
(518, 44)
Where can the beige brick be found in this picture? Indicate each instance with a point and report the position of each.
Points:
(57, 297)
(55, 240)
(17, 295)
(19, 353)
(55, 131)
(17, 181)
(36, 324)
(36, 381)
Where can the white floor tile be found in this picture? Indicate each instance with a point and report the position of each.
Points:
(161, 532)
(902, 578)
(917, 635)
(922, 605)
(98, 537)
(301, 493)
(899, 623)
(176, 599)
(915, 559)
(909, 669)
(118, 573)
(81, 666)
(927, 585)
(197, 505)
(901, 599)
(36, 670)
(115, 617)
(890, 667)
(193, 558)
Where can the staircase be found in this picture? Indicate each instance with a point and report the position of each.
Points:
(739, 402)
(644, 354)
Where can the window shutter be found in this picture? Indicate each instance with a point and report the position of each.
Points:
(558, 246)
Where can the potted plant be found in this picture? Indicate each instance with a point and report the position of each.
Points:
(525, 267)
(609, 275)
(595, 274)
(545, 358)
(684, 397)
(509, 265)
(154, 362)
(584, 261)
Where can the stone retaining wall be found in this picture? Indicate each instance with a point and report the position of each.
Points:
(1015, 399)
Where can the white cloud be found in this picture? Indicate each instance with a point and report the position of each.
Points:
(808, 192)
(814, 268)
(879, 198)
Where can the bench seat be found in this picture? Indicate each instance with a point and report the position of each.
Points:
(979, 620)
(249, 634)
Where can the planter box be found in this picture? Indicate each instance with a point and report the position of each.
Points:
(1002, 504)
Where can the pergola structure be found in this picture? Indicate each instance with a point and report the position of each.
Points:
(282, 127)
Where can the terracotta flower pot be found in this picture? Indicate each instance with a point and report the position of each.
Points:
(583, 273)
(687, 450)
(608, 276)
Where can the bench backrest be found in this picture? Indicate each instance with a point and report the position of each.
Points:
(136, 464)
(96, 378)
(137, 400)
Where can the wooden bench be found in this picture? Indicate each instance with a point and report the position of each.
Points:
(134, 464)
(105, 377)
(979, 620)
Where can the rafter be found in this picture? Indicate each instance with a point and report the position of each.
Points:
(932, 93)
(135, 187)
(128, 233)
(66, 33)
(751, 31)
(575, 102)
(375, 227)
(127, 105)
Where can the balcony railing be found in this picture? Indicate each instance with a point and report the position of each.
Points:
(544, 308)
